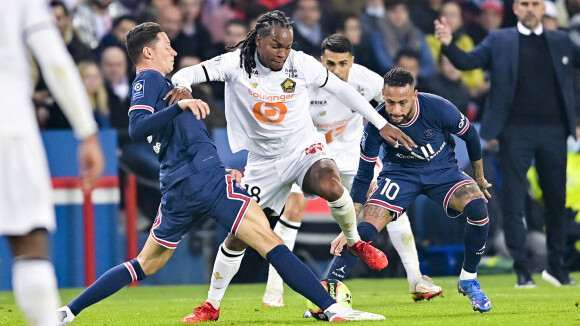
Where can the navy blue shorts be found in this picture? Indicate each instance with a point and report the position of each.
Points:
(209, 193)
(397, 189)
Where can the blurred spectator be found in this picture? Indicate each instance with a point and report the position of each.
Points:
(308, 29)
(396, 31)
(447, 84)
(171, 20)
(550, 19)
(114, 68)
(236, 31)
(117, 35)
(409, 59)
(424, 12)
(489, 18)
(274, 4)
(77, 49)
(352, 30)
(148, 10)
(374, 11)
(94, 18)
(473, 79)
(193, 31)
(97, 94)
(216, 20)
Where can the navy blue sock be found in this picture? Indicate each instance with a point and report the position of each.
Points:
(109, 283)
(298, 276)
(475, 233)
(342, 266)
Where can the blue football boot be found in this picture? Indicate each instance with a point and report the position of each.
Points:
(479, 301)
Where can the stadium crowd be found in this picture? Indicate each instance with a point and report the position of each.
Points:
(385, 34)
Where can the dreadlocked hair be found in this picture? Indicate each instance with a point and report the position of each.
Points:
(263, 28)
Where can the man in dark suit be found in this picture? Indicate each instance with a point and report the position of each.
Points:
(530, 111)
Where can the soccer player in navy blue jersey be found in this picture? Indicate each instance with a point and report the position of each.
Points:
(194, 183)
(430, 169)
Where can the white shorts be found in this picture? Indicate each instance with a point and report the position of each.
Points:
(25, 187)
(269, 180)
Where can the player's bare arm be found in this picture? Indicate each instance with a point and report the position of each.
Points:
(479, 177)
(178, 93)
(198, 107)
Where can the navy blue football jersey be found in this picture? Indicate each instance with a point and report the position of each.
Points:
(182, 142)
(430, 128)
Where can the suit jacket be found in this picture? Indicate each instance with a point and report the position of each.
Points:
(499, 54)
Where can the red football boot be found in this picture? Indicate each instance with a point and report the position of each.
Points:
(206, 312)
(372, 256)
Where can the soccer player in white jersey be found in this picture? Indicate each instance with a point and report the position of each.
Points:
(26, 26)
(343, 129)
(266, 99)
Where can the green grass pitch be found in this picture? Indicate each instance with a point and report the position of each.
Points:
(165, 305)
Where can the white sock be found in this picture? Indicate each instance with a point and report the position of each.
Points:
(226, 265)
(467, 275)
(287, 230)
(344, 214)
(35, 290)
(402, 238)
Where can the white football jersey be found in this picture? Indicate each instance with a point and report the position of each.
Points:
(267, 113)
(342, 127)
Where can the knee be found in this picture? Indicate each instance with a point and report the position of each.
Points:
(476, 212)
(234, 244)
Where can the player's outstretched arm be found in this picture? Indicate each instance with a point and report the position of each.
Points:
(396, 137)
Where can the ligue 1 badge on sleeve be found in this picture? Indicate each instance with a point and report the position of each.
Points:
(288, 86)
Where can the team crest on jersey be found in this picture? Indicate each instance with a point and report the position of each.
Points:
(254, 85)
(288, 86)
(429, 133)
(138, 89)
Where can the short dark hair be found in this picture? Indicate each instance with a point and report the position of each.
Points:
(140, 36)
(406, 53)
(336, 43)
(398, 77)
(57, 3)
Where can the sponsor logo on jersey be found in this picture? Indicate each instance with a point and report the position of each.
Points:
(318, 102)
(138, 89)
(429, 133)
(361, 90)
(288, 86)
(270, 98)
(461, 122)
(291, 72)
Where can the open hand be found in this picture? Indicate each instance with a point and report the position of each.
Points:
(198, 107)
(396, 137)
(443, 31)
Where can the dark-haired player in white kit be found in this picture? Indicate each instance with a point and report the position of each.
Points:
(430, 170)
(266, 103)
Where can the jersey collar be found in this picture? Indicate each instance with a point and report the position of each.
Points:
(145, 69)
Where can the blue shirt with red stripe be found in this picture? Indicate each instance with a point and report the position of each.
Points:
(181, 141)
(430, 128)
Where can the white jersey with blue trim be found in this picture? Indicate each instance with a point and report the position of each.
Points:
(341, 126)
(267, 113)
